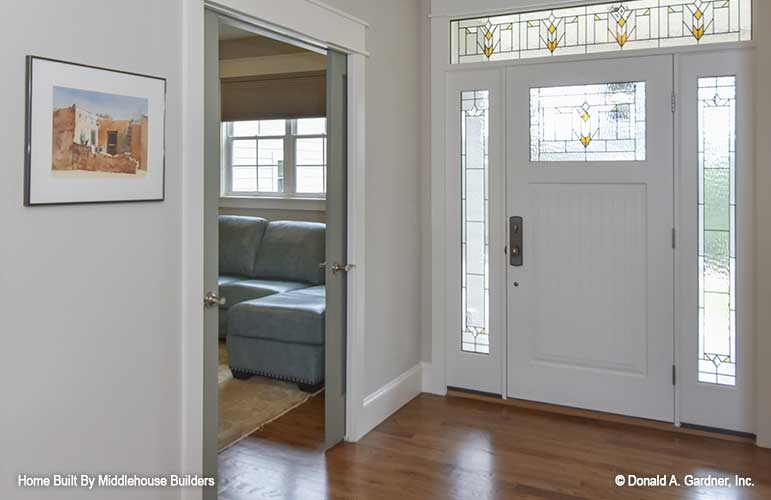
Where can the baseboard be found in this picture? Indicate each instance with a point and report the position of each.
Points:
(432, 383)
(426, 372)
(385, 401)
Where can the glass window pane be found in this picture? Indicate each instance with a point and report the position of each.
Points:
(311, 126)
(272, 127)
(310, 154)
(604, 27)
(602, 122)
(310, 151)
(270, 160)
(244, 179)
(270, 151)
(475, 298)
(311, 179)
(246, 129)
(259, 127)
(244, 152)
(717, 236)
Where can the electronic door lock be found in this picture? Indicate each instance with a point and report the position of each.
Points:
(515, 240)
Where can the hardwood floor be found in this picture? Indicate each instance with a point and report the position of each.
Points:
(455, 448)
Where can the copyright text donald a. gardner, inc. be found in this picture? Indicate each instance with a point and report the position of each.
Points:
(686, 480)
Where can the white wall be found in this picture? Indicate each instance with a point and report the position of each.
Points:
(89, 295)
(426, 295)
(392, 341)
(465, 8)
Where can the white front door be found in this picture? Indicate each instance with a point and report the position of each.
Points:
(590, 269)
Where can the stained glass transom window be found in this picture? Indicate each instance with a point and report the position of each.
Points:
(600, 122)
(606, 27)
(717, 229)
(475, 276)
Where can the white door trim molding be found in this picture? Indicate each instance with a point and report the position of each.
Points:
(312, 23)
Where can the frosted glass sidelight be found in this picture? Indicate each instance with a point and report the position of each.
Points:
(717, 230)
(604, 27)
(600, 122)
(475, 276)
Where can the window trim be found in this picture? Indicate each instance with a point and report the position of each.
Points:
(269, 199)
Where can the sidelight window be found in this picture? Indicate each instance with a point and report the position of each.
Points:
(717, 229)
(475, 275)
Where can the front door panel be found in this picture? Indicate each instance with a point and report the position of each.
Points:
(589, 171)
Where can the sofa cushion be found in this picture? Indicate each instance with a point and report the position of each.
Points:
(292, 250)
(239, 240)
(224, 280)
(241, 291)
(296, 317)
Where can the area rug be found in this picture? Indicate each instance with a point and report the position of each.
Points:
(247, 405)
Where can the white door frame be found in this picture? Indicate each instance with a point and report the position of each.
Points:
(435, 371)
(315, 23)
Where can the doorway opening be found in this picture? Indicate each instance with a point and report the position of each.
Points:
(276, 217)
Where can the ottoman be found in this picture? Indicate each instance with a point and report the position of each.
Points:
(279, 336)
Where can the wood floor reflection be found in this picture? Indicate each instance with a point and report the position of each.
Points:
(454, 448)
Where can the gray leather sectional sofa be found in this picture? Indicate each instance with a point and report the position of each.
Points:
(273, 317)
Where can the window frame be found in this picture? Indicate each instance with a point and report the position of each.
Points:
(289, 138)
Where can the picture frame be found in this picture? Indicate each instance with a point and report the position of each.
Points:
(93, 134)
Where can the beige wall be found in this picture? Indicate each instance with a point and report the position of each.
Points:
(763, 222)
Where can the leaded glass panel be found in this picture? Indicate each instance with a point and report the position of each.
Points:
(599, 122)
(717, 230)
(605, 27)
(475, 276)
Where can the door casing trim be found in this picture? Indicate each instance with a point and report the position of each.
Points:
(329, 29)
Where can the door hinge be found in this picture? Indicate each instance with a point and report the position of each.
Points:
(674, 375)
(674, 238)
(674, 101)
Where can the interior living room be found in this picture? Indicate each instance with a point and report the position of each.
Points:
(377, 249)
(271, 255)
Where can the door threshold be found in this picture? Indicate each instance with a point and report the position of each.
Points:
(600, 416)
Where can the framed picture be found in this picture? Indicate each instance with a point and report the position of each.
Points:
(94, 135)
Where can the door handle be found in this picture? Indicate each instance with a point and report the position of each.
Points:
(515, 240)
(211, 299)
(340, 268)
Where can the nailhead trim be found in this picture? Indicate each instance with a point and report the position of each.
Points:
(279, 377)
